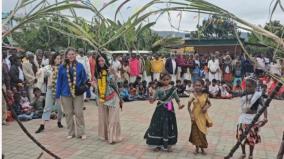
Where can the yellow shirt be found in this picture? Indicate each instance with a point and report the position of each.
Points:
(157, 66)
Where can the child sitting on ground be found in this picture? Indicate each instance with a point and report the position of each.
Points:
(151, 89)
(141, 92)
(214, 89)
(180, 89)
(189, 88)
(124, 93)
(224, 90)
(22, 114)
(25, 103)
(132, 91)
(37, 103)
(207, 83)
(237, 89)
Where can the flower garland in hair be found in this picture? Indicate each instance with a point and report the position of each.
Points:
(73, 83)
(54, 77)
(102, 84)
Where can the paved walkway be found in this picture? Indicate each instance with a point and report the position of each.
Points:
(135, 118)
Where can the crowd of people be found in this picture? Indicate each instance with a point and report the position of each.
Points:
(38, 85)
(27, 75)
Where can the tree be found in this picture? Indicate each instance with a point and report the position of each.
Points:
(215, 27)
(269, 46)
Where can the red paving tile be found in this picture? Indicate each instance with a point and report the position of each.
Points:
(134, 120)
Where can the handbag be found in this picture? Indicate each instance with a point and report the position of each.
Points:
(80, 90)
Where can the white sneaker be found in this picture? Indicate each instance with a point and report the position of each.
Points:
(83, 137)
(69, 137)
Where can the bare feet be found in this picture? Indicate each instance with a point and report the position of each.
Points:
(196, 151)
(243, 156)
(203, 152)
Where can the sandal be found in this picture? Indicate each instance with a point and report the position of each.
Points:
(169, 149)
(156, 149)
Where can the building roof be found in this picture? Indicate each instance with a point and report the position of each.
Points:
(211, 42)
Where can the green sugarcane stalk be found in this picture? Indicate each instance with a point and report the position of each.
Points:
(281, 149)
(255, 119)
(27, 132)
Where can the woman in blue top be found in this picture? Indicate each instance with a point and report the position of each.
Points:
(71, 76)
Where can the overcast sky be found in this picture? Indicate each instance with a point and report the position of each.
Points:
(255, 11)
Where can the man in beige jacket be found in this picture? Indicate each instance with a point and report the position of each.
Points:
(29, 72)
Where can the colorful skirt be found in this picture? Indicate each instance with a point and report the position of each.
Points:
(253, 137)
(197, 138)
(162, 131)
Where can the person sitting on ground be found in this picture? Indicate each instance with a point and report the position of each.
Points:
(132, 91)
(180, 89)
(144, 83)
(151, 89)
(189, 88)
(37, 103)
(224, 90)
(207, 83)
(124, 93)
(141, 92)
(22, 115)
(137, 82)
(214, 89)
(237, 90)
(25, 103)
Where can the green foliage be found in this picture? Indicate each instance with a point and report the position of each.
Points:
(215, 27)
(269, 46)
(39, 35)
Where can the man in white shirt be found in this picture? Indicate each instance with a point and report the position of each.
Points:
(83, 59)
(214, 69)
(116, 65)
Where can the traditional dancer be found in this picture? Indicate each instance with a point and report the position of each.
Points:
(199, 117)
(108, 102)
(251, 102)
(162, 132)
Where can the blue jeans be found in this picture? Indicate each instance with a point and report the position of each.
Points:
(25, 117)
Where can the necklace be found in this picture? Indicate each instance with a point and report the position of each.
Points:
(54, 77)
(72, 83)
